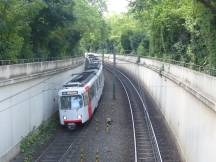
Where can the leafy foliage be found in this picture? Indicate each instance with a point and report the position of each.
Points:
(124, 33)
(92, 26)
(37, 138)
(181, 30)
(50, 28)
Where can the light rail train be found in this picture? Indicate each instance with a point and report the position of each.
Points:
(79, 97)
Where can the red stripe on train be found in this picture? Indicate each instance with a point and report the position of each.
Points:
(72, 121)
(89, 102)
(86, 88)
(90, 108)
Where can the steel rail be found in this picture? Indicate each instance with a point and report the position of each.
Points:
(45, 151)
(62, 158)
(146, 111)
(159, 158)
(81, 136)
(82, 132)
(132, 116)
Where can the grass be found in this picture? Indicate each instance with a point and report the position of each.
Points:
(38, 137)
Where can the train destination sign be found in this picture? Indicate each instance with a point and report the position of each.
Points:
(70, 93)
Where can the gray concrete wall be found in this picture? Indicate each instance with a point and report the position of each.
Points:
(12, 71)
(187, 99)
(26, 103)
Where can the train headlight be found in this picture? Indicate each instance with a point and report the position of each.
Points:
(64, 117)
(79, 116)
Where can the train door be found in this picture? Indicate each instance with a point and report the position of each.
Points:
(87, 109)
(97, 89)
(92, 99)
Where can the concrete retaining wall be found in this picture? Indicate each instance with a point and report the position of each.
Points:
(24, 104)
(12, 71)
(186, 98)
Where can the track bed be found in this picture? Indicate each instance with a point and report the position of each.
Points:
(111, 136)
(99, 139)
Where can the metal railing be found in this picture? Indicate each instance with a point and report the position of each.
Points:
(204, 69)
(31, 60)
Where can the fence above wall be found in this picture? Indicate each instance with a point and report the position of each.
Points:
(30, 60)
(10, 74)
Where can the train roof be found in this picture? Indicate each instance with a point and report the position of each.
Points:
(84, 77)
(91, 55)
(80, 79)
(95, 65)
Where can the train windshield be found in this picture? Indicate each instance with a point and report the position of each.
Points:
(71, 102)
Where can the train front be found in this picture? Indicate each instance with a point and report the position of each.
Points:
(71, 107)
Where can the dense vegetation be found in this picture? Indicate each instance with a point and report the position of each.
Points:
(184, 30)
(49, 28)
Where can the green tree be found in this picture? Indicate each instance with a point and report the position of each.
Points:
(91, 25)
(15, 17)
(182, 30)
(50, 28)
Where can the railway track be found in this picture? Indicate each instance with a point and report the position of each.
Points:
(166, 141)
(59, 147)
(65, 145)
(96, 140)
(145, 143)
(147, 148)
(157, 134)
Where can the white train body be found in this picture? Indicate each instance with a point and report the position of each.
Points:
(79, 98)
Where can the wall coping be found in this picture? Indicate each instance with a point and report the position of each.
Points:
(209, 102)
(34, 70)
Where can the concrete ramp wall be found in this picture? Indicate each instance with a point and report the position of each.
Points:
(28, 96)
(187, 100)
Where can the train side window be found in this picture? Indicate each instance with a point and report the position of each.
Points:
(98, 84)
(85, 96)
(92, 91)
(99, 80)
(94, 87)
